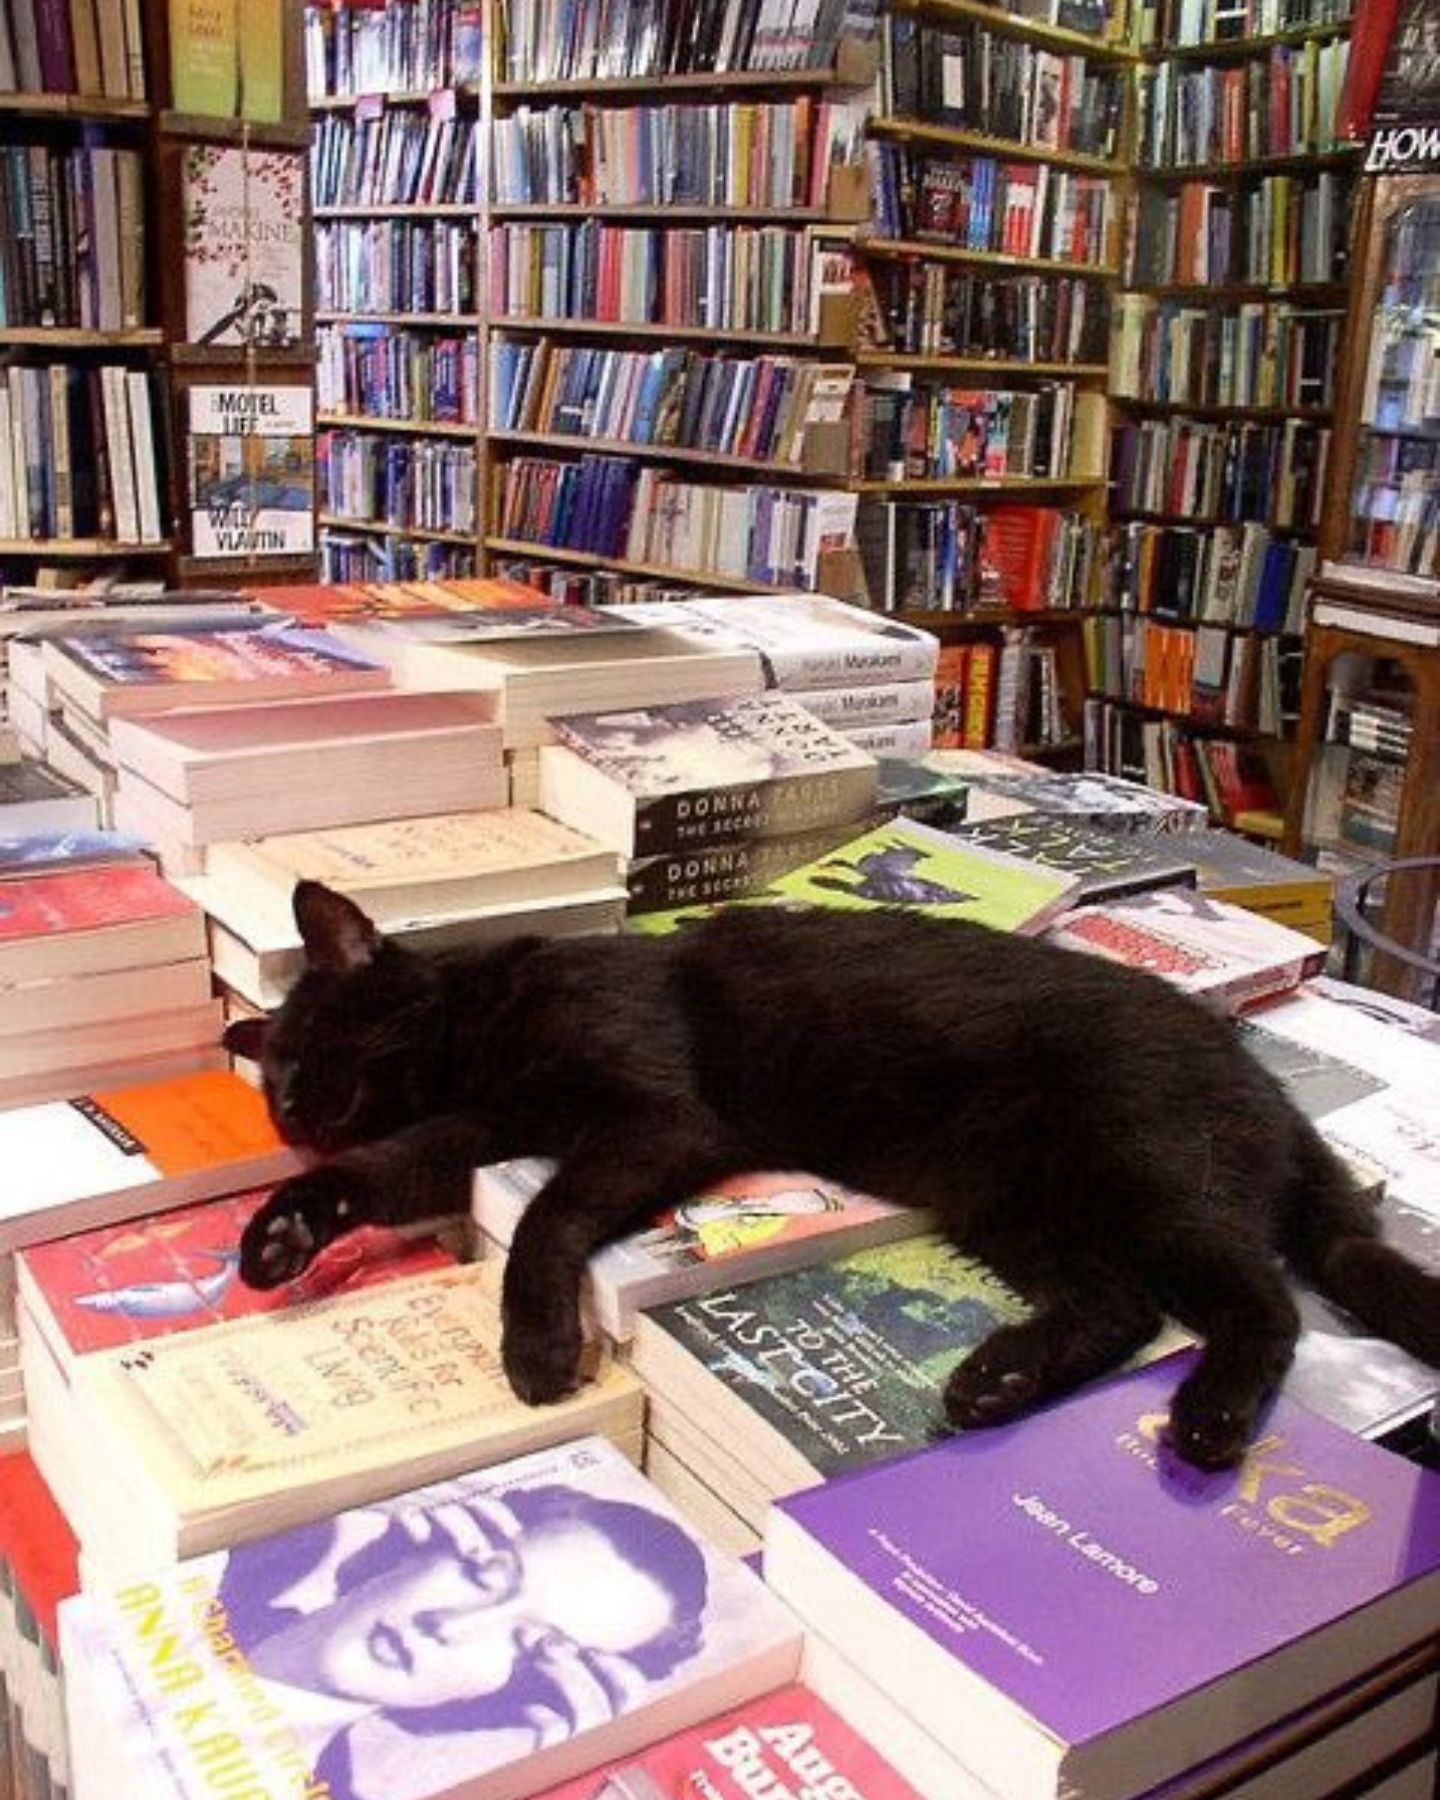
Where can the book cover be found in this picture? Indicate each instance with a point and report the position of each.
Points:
(189, 1137)
(76, 900)
(48, 852)
(804, 640)
(204, 38)
(1221, 953)
(905, 863)
(698, 772)
(243, 214)
(1222, 1600)
(1232, 868)
(1109, 800)
(1107, 863)
(743, 1227)
(1316, 1081)
(353, 1392)
(494, 1633)
(127, 1283)
(493, 625)
(788, 1745)
(251, 454)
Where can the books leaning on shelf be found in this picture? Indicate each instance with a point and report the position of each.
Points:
(1226, 1603)
(742, 1228)
(51, 276)
(1223, 954)
(93, 47)
(667, 1632)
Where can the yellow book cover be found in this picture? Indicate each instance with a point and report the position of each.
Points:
(205, 56)
(262, 60)
(372, 1390)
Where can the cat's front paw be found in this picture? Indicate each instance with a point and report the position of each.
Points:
(983, 1390)
(1209, 1429)
(542, 1366)
(295, 1224)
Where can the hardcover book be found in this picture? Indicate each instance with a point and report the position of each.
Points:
(904, 863)
(244, 252)
(113, 1155)
(742, 1228)
(1109, 865)
(423, 868)
(483, 1637)
(125, 673)
(803, 640)
(780, 1747)
(1222, 1601)
(284, 1417)
(702, 772)
(1220, 953)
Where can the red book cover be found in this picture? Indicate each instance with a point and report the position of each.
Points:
(36, 1542)
(951, 674)
(87, 900)
(146, 1278)
(788, 1745)
(1017, 547)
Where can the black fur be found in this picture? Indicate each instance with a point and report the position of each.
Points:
(1102, 1141)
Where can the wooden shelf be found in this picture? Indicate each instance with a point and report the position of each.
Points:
(978, 365)
(991, 616)
(95, 108)
(1211, 727)
(68, 337)
(465, 91)
(854, 69)
(81, 548)
(1218, 410)
(428, 321)
(982, 484)
(1241, 49)
(714, 459)
(1190, 621)
(736, 584)
(260, 135)
(918, 249)
(1123, 516)
(440, 209)
(718, 334)
(661, 209)
(1300, 163)
(1030, 31)
(381, 528)
(405, 427)
(223, 356)
(920, 131)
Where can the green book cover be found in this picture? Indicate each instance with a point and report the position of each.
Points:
(262, 61)
(205, 57)
(847, 1359)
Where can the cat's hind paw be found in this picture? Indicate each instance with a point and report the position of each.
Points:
(289, 1231)
(541, 1369)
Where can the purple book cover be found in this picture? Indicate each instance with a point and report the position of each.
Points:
(552, 1611)
(1022, 1551)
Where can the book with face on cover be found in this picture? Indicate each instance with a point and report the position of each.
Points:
(479, 1638)
(117, 1154)
(1075, 1610)
(281, 1418)
(123, 674)
(1225, 955)
(743, 1227)
(780, 1747)
(423, 868)
(703, 772)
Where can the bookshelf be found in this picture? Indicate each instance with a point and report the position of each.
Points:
(1227, 337)
(136, 449)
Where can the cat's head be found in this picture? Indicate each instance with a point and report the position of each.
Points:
(353, 1053)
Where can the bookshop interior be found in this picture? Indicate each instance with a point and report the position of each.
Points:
(603, 600)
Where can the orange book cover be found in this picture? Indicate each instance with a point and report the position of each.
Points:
(951, 674)
(979, 692)
(191, 1122)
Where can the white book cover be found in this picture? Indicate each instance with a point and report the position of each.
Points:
(244, 212)
(252, 471)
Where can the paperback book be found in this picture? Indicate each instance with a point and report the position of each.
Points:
(33, 798)
(584, 1621)
(744, 1227)
(1097, 799)
(244, 212)
(1108, 864)
(90, 921)
(990, 1567)
(252, 471)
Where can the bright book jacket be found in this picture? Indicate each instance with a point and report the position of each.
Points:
(147, 1278)
(904, 863)
(46, 852)
(49, 922)
(325, 603)
(129, 672)
(804, 640)
(244, 246)
(1223, 954)
(481, 1638)
(74, 1164)
(280, 1418)
(745, 1226)
(788, 1745)
(992, 1569)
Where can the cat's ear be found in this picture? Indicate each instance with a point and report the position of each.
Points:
(338, 937)
(246, 1037)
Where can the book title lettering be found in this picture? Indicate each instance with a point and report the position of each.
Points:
(747, 1755)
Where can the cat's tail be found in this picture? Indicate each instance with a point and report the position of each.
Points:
(1334, 1243)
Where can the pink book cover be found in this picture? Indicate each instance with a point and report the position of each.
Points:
(788, 1745)
(214, 731)
(87, 900)
(179, 1271)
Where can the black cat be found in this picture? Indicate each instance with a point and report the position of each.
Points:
(1099, 1139)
